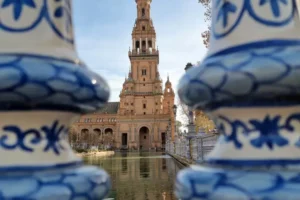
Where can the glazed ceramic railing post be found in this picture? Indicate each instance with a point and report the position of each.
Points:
(249, 83)
(44, 87)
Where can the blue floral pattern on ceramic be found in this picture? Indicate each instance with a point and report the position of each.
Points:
(60, 84)
(268, 131)
(18, 6)
(45, 12)
(86, 183)
(261, 73)
(238, 9)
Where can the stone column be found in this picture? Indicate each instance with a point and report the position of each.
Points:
(153, 43)
(135, 135)
(133, 44)
(140, 44)
(151, 137)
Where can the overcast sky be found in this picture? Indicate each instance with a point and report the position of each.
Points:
(103, 36)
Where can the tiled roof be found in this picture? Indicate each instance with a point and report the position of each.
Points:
(110, 108)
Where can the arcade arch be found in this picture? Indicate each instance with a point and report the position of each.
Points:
(144, 138)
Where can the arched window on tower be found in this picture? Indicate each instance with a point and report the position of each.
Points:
(144, 46)
(149, 43)
(137, 44)
(143, 12)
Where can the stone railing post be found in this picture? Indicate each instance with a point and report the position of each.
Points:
(249, 83)
(43, 87)
(187, 148)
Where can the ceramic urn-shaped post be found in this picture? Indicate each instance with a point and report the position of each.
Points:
(44, 87)
(249, 83)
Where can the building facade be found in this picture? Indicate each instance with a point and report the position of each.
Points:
(145, 110)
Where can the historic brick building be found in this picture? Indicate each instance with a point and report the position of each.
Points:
(141, 118)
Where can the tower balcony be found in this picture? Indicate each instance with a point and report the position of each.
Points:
(143, 52)
(132, 93)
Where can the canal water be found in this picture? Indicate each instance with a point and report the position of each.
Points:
(139, 175)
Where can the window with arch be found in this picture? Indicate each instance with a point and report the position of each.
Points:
(137, 44)
(144, 72)
(144, 46)
(150, 43)
(143, 28)
(143, 12)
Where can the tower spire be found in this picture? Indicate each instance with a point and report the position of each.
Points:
(143, 34)
(143, 9)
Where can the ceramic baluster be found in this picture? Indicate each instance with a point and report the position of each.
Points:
(43, 88)
(249, 83)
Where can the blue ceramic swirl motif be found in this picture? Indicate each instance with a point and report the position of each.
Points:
(229, 14)
(45, 11)
(53, 135)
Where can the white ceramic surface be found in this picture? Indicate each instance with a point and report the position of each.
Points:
(250, 21)
(32, 127)
(42, 27)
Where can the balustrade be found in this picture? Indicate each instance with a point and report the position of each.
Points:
(43, 87)
(192, 149)
(249, 83)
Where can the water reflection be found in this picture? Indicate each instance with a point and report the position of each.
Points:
(144, 167)
(124, 166)
(139, 176)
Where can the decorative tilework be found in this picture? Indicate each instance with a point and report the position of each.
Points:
(54, 13)
(266, 12)
(86, 183)
(244, 74)
(214, 184)
(36, 82)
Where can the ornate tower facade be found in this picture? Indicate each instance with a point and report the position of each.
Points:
(141, 119)
(142, 89)
(169, 96)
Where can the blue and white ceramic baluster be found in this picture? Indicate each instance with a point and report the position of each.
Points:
(249, 82)
(43, 87)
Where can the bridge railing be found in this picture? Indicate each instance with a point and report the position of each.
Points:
(192, 148)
